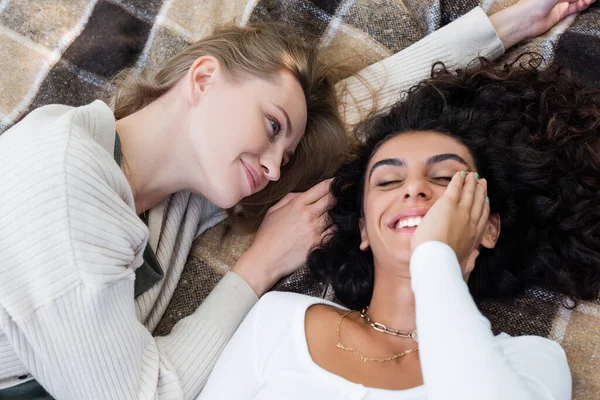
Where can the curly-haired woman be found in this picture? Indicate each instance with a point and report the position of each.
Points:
(478, 184)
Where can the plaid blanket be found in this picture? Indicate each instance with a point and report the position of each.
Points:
(65, 51)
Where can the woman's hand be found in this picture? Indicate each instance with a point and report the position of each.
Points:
(530, 18)
(459, 218)
(291, 228)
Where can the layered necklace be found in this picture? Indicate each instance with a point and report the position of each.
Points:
(379, 327)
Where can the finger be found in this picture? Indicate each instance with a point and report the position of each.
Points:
(323, 223)
(468, 191)
(582, 5)
(316, 192)
(285, 200)
(322, 205)
(483, 220)
(577, 5)
(327, 235)
(479, 199)
(455, 187)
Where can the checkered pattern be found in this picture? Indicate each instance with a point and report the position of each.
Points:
(66, 51)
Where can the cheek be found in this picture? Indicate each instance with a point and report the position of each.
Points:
(375, 208)
(437, 192)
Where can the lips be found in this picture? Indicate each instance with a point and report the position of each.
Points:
(407, 219)
(252, 177)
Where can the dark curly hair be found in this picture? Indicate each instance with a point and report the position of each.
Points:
(535, 137)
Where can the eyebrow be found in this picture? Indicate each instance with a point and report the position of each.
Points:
(396, 162)
(287, 120)
(447, 156)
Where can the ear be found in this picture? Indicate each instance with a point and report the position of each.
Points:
(364, 240)
(201, 75)
(492, 232)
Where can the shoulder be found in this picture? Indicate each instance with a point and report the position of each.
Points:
(286, 301)
(53, 131)
(310, 314)
(275, 312)
(65, 147)
(540, 347)
(95, 120)
(542, 360)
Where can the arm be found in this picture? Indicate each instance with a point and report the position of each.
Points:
(69, 244)
(456, 44)
(460, 357)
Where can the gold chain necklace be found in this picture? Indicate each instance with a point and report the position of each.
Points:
(384, 329)
(361, 355)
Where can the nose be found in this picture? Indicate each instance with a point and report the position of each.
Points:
(271, 166)
(417, 189)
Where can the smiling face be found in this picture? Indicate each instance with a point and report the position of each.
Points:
(242, 132)
(404, 178)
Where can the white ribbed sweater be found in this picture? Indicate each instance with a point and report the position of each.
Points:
(70, 242)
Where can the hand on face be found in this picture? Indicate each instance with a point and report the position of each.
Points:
(291, 228)
(413, 181)
(458, 218)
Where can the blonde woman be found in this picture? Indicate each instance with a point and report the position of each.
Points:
(99, 207)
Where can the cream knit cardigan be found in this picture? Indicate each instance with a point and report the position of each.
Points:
(70, 242)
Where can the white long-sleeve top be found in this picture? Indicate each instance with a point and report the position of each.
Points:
(70, 243)
(461, 359)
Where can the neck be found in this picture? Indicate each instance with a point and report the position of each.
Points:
(151, 151)
(393, 301)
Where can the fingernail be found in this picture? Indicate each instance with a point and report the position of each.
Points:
(463, 174)
(487, 199)
(476, 175)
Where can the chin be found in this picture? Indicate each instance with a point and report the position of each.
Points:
(226, 204)
(224, 201)
(401, 257)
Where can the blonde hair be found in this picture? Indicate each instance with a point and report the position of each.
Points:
(259, 50)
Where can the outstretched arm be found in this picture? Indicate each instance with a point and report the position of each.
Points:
(456, 44)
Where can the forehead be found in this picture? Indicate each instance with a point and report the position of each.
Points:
(284, 91)
(417, 147)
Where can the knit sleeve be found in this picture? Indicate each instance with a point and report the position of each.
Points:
(69, 244)
(378, 86)
(460, 357)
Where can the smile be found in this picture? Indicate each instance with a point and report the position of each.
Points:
(252, 179)
(408, 219)
(409, 222)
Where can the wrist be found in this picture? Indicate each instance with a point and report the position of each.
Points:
(510, 25)
(256, 273)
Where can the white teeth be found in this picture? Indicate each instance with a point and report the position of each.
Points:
(409, 222)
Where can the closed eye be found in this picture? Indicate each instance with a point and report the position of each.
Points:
(388, 183)
(442, 180)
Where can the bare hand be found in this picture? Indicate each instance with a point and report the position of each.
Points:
(530, 18)
(544, 14)
(459, 218)
(291, 228)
